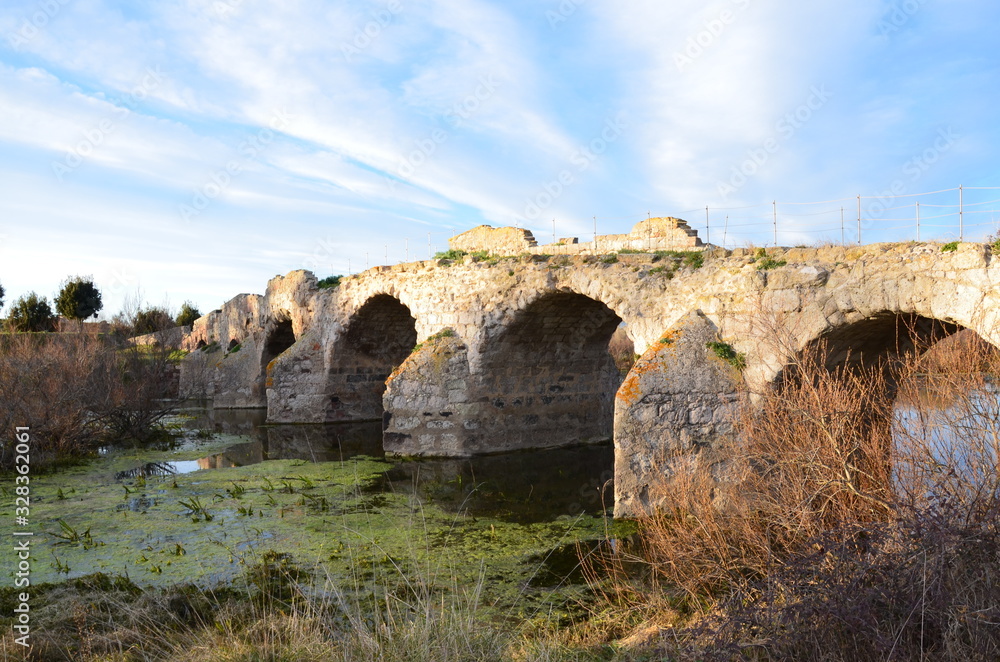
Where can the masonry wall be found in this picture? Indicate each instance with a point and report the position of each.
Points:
(651, 235)
(511, 348)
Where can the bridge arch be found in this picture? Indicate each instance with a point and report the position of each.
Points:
(376, 338)
(881, 341)
(546, 376)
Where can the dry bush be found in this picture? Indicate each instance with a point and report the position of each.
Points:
(75, 391)
(844, 528)
(622, 350)
(811, 455)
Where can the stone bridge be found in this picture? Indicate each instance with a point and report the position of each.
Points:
(485, 354)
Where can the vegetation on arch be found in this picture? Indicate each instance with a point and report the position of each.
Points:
(79, 298)
(329, 282)
(765, 262)
(726, 352)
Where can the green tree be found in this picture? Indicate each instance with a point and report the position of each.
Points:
(79, 298)
(151, 320)
(189, 313)
(2, 293)
(31, 313)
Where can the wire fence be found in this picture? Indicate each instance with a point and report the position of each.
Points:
(961, 213)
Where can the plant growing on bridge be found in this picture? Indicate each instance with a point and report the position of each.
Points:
(726, 352)
(329, 282)
(949, 247)
(450, 254)
(694, 259)
(443, 333)
(662, 269)
(765, 261)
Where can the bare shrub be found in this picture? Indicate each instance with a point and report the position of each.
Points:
(844, 528)
(622, 350)
(76, 391)
(811, 455)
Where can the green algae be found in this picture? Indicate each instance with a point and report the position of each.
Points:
(208, 527)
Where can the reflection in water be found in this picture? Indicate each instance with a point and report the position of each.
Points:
(526, 486)
(148, 470)
(947, 439)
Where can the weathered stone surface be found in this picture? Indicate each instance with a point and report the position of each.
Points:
(678, 397)
(653, 234)
(427, 407)
(528, 366)
(497, 241)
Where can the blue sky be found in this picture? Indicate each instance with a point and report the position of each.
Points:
(192, 149)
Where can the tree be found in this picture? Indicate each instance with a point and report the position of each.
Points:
(79, 298)
(30, 313)
(151, 320)
(1, 296)
(189, 313)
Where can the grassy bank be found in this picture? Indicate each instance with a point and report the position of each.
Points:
(856, 518)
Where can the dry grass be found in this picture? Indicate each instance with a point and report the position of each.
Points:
(283, 617)
(841, 527)
(841, 530)
(622, 350)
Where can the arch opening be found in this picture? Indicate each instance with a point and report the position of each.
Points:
(883, 340)
(549, 378)
(904, 407)
(379, 337)
(279, 340)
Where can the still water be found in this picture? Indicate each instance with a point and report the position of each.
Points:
(229, 489)
(523, 487)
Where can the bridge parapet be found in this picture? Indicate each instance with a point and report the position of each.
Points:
(650, 235)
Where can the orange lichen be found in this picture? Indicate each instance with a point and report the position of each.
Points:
(269, 381)
(651, 362)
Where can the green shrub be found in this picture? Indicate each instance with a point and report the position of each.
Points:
(31, 314)
(726, 352)
(329, 282)
(694, 259)
(950, 246)
(450, 254)
(668, 272)
(765, 261)
(151, 320)
(610, 259)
